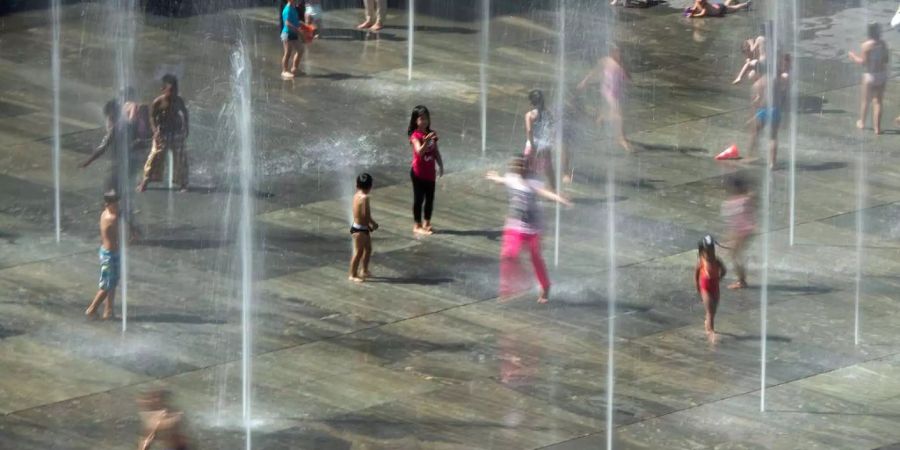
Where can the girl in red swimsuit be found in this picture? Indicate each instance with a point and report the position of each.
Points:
(710, 271)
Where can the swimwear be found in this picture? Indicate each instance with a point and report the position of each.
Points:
(541, 132)
(357, 228)
(109, 269)
(875, 79)
(709, 283)
(613, 83)
(289, 37)
(765, 115)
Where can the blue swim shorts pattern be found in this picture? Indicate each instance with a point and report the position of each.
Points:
(109, 269)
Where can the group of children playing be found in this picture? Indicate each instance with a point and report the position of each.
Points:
(131, 130)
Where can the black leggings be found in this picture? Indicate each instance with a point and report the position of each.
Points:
(423, 193)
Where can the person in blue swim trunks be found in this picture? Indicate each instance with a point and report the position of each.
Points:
(764, 113)
(109, 257)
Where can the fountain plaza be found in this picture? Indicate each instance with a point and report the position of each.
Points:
(264, 332)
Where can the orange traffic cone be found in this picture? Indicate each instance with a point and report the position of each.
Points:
(731, 152)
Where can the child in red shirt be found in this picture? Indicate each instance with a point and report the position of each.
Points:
(422, 173)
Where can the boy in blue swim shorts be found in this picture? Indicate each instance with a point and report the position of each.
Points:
(109, 257)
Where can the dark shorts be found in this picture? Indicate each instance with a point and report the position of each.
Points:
(354, 230)
(289, 37)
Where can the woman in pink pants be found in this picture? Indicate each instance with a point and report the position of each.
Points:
(522, 228)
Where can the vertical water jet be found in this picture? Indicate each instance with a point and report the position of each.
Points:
(123, 26)
(771, 80)
(243, 119)
(560, 107)
(485, 47)
(55, 14)
(795, 101)
(411, 41)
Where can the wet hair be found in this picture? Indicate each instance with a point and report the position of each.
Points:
(736, 184)
(517, 163)
(170, 80)
(110, 196)
(874, 31)
(536, 98)
(418, 111)
(111, 109)
(707, 246)
(364, 181)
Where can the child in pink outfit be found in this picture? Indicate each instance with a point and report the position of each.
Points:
(522, 228)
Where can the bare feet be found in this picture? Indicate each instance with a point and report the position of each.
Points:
(90, 312)
(567, 179)
(543, 298)
(183, 189)
(738, 285)
(878, 132)
(365, 25)
(378, 26)
(624, 143)
(736, 81)
(355, 279)
(420, 230)
(107, 314)
(897, 121)
(860, 124)
(287, 75)
(142, 186)
(366, 274)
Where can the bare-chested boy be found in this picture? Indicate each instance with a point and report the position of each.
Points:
(363, 224)
(109, 256)
(170, 123)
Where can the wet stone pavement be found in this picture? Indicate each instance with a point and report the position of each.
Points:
(424, 356)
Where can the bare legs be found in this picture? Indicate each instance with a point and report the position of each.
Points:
(291, 48)
(732, 6)
(362, 251)
(871, 94)
(738, 245)
(286, 57)
(877, 97)
(710, 304)
(617, 121)
(108, 298)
